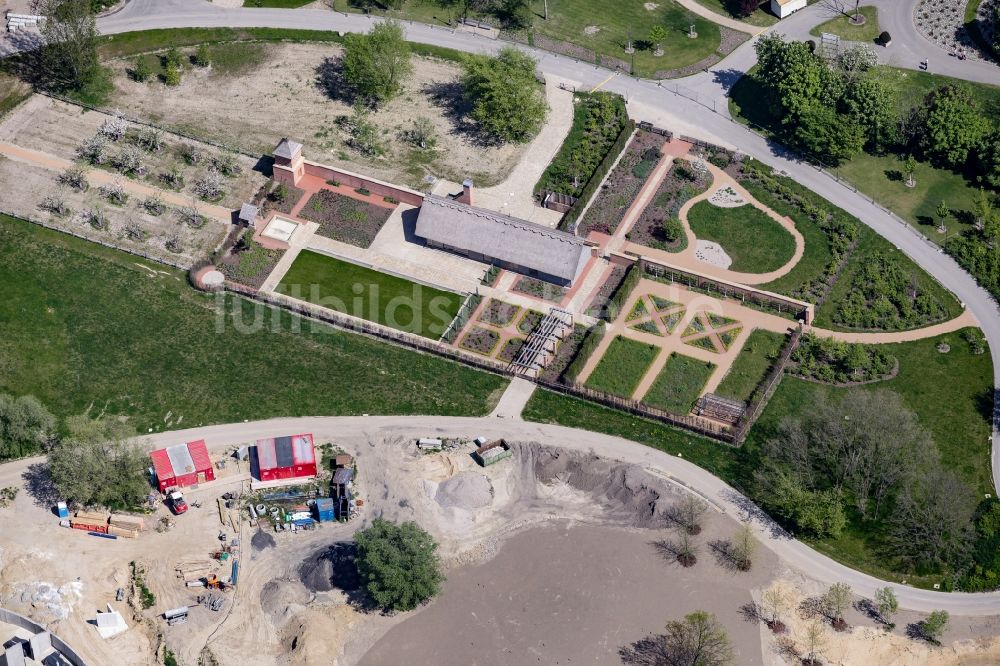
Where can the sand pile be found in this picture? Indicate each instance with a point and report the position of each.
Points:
(631, 495)
(467, 490)
(280, 598)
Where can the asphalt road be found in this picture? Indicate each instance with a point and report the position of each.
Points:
(368, 429)
(648, 100)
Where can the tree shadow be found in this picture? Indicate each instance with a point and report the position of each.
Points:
(450, 98)
(38, 483)
(750, 612)
(649, 651)
(724, 555)
(330, 81)
(726, 78)
(894, 175)
(916, 631)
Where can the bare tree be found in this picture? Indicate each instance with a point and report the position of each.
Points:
(94, 150)
(190, 216)
(173, 243)
(209, 186)
(688, 513)
(932, 521)
(75, 178)
(55, 204)
(173, 177)
(743, 547)
(150, 139)
(115, 193)
(128, 161)
(687, 550)
(114, 128)
(95, 217)
(774, 604)
(836, 600)
(154, 205)
(135, 232)
(227, 165)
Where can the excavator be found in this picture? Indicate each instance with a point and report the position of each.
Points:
(212, 582)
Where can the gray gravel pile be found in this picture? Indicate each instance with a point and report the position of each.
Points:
(467, 490)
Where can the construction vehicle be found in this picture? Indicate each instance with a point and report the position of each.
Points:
(212, 582)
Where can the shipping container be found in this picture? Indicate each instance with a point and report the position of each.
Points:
(493, 452)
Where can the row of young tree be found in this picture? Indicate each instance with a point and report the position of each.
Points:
(834, 109)
(501, 92)
(867, 459)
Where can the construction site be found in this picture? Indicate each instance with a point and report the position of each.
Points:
(237, 556)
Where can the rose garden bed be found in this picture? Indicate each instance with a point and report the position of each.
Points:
(539, 289)
(480, 340)
(498, 313)
(345, 219)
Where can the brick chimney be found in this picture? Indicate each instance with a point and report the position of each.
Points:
(466, 195)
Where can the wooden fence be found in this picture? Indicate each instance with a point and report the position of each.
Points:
(770, 384)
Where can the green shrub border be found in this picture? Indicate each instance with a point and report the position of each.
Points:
(617, 301)
(586, 350)
(588, 191)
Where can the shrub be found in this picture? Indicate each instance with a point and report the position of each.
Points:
(96, 218)
(115, 193)
(172, 75)
(587, 348)
(94, 150)
(55, 204)
(422, 134)
(128, 161)
(191, 155)
(190, 216)
(173, 244)
(280, 193)
(884, 38)
(209, 186)
(154, 205)
(113, 128)
(140, 71)
(227, 165)
(150, 139)
(74, 178)
(363, 191)
(173, 178)
(202, 57)
(643, 168)
(134, 232)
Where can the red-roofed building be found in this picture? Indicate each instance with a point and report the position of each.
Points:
(284, 458)
(182, 465)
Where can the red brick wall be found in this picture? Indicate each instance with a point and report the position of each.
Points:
(352, 180)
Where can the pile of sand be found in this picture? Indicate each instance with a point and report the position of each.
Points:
(467, 490)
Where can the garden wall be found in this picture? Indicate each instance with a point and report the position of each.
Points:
(381, 188)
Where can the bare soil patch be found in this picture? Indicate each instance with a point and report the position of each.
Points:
(298, 94)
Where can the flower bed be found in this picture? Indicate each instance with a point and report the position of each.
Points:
(727, 338)
(510, 350)
(662, 304)
(566, 351)
(647, 327)
(703, 343)
(638, 310)
(671, 320)
(658, 226)
(480, 340)
(529, 320)
(251, 264)
(835, 362)
(621, 187)
(282, 198)
(498, 313)
(345, 219)
(608, 288)
(539, 289)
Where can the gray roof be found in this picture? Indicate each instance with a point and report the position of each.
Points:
(248, 212)
(180, 459)
(501, 237)
(287, 149)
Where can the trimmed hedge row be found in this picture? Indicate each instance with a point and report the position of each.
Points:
(588, 191)
(617, 300)
(587, 347)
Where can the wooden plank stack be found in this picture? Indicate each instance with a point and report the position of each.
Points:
(90, 522)
(124, 525)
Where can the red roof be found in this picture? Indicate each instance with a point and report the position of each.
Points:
(199, 453)
(181, 459)
(161, 464)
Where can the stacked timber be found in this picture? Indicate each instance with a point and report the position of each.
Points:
(126, 523)
(90, 522)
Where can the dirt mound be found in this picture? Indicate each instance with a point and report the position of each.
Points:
(278, 597)
(633, 496)
(262, 540)
(467, 490)
(331, 568)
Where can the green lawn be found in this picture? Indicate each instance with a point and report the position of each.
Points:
(369, 294)
(622, 367)
(719, 459)
(84, 327)
(881, 178)
(752, 364)
(755, 242)
(815, 256)
(679, 384)
(845, 29)
(869, 244)
(762, 16)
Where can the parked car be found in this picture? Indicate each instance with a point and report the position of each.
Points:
(177, 503)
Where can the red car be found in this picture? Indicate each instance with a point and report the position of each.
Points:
(177, 503)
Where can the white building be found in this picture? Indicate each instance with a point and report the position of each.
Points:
(782, 8)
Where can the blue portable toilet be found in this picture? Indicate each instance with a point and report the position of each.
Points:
(62, 509)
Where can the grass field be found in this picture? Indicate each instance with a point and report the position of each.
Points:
(762, 16)
(622, 367)
(88, 328)
(753, 362)
(368, 294)
(679, 384)
(755, 242)
(845, 29)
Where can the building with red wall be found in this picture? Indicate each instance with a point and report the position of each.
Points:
(182, 465)
(284, 458)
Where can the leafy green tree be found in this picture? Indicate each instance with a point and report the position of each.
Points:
(943, 213)
(506, 100)
(934, 625)
(955, 125)
(376, 64)
(836, 601)
(656, 35)
(824, 132)
(819, 513)
(25, 425)
(365, 135)
(909, 166)
(398, 564)
(932, 521)
(173, 57)
(69, 57)
(99, 464)
(870, 103)
(141, 70)
(172, 74)
(517, 13)
(699, 639)
(886, 604)
(791, 75)
(988, 158)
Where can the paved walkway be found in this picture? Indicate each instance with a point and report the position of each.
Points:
(697, 8)
(689, 261)
(646, 194)
(100, 177)
(963, 320)
(513, 400)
